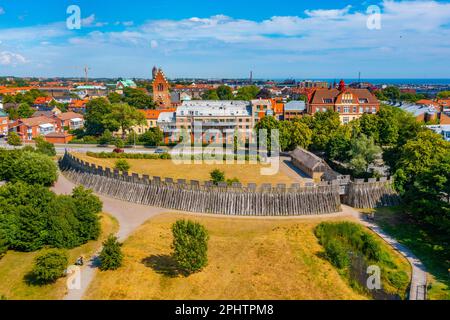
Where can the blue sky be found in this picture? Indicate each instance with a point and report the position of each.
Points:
(211, 38)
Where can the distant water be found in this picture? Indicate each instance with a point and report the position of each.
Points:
(393, 81)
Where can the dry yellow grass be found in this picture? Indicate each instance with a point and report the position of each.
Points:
(246, 173)
(248, 259)
(15, 265)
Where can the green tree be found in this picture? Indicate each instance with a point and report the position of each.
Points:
(24, 215)
(114, 97)
(339, 145)
(392, 93)
(96, 110)
(152, 137)
(111, 256)
(388, 126)
(269, 124)
(49, 266)
(190, 243)
(14, 139)
(123, 116)
(224, 93)
(106, 138)
(88, 206)
(25, 111)
(362, 154)
(295, 134)
(370, 126)
(247, 93)
(138, 99)
(217, 176)
(34, 168)
(122, 165)
(45, 147)
(443, 95)
(324, 124)
(210, 95)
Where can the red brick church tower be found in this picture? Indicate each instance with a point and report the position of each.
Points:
(161, 94)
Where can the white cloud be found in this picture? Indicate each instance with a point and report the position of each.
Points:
(88, 21)
(154, 44)
(128, 23)
(11, 59)
(329, 14)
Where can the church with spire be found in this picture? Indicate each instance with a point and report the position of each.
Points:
(161, 86)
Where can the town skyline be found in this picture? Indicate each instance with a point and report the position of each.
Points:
(310, 41)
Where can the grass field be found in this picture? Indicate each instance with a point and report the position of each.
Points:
(246, 173)
(15, 265)
(430, 247)
(248, 259)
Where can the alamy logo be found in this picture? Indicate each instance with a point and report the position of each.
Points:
(374, 279)
(374, 18)
(73, 22)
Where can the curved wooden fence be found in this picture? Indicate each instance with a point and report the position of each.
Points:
(250, 200)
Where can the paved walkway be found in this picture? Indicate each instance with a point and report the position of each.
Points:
(419, 274)
(129, 215)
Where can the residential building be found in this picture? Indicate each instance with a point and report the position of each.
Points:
(214, 118)
(151, 117)
(4, 121)
(313, 84)
(350, 103)
(422, 113)
(69, 121)
(30, 128)
(59, 137)
(42, 101)
(294, 109)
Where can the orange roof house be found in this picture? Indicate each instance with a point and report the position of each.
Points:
(43, 100)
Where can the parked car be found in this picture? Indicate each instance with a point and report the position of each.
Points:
(160, 151)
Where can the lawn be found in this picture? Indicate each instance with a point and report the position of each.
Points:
(430, 247)
(246, 173)
(15, 265)
(248, 259)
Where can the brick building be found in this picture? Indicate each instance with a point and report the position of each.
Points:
(161, 94)
(4, 120)
(350, 103)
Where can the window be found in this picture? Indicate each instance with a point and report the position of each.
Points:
(324, 109)
(354, 109)
(346, 120)
(346, 109)
(374, 110)
(338, 109)
(327, 100)
(361, 109)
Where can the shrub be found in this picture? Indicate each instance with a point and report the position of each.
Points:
(119, 143)
(34, 168)
(14, 139)
(231, 181)
(114, 155)
(111, 256)
(105, 138)
(122, 165)
(3, 244)
(398, 279)
(190, 243)
(217, 176)
(45, 147)
(337, 253)
(49, 266)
